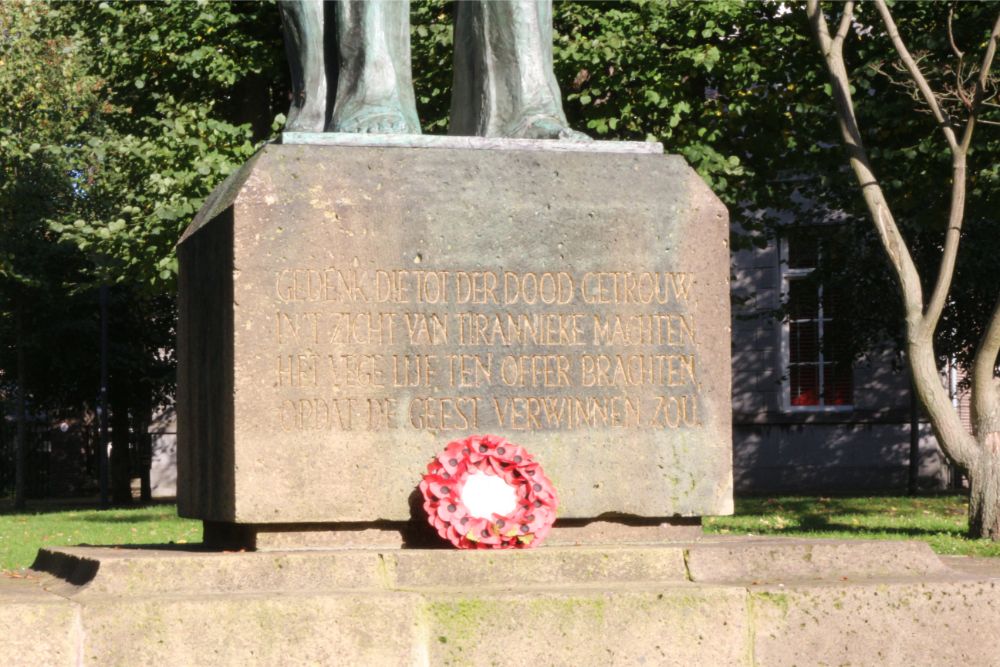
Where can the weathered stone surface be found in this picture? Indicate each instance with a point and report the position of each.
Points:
(572, 606)
(412, 569)
(416, 533)
(150, 570)
(39, 628)
(252, 629)
(628, 625)
(775, 560)
(675, 529)
(99, 571)
(344, 314)
(939, 620)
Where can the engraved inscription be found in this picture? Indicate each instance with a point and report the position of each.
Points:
(484, 350)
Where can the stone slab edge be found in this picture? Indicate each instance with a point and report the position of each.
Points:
(86, 571)
(473, 143)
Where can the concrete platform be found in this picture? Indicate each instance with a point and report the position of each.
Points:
(712, 601)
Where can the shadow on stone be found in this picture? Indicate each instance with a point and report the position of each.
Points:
(77, 571)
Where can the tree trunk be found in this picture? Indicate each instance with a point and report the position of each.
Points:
(984, 495)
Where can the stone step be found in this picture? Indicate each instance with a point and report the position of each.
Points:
(138, 570)
(867, 604)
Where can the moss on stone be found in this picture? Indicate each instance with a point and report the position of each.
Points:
(779, 600)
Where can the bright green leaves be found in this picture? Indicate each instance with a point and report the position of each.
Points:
(51, 106)
(431, 41)
(691, 75)
(166, 135)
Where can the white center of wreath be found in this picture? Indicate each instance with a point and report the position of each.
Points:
(485, 495)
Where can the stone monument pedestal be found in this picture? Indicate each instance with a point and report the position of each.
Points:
(349, 305)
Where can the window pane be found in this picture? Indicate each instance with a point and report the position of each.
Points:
(803, 342)
(836, 346)
(833, 301)
(803, 300)
(803, 249)
(838, 381)
(804, 385)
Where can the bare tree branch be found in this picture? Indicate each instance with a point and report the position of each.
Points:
(918, 77)
(983, 81)
(956, 213)
(845, 24)
(959, 53)
(959, 57)
(878, 206)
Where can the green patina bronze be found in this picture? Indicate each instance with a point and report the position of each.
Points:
(503, 84)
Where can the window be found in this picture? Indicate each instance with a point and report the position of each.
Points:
(818, 368)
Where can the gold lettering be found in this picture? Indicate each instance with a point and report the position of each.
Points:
(628, 287)
(674, 411)
(520, 413)
(361, 328)
(509, 330)
(297, 370)
(475, 287)
(296, 327)
(535, 370)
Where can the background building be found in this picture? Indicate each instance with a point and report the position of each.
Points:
(806, 416)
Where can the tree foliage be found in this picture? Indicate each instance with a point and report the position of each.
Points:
(52, 107)
(123, 118)
(172, 73)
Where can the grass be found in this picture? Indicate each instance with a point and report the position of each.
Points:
(938, 520)
(21, 534)
(941, 521)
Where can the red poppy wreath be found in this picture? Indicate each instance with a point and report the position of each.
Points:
(486, 493)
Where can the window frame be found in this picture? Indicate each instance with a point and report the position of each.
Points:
(788, 275)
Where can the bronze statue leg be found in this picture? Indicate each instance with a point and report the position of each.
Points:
(375, 84)
(302, 22)
(504, 85)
